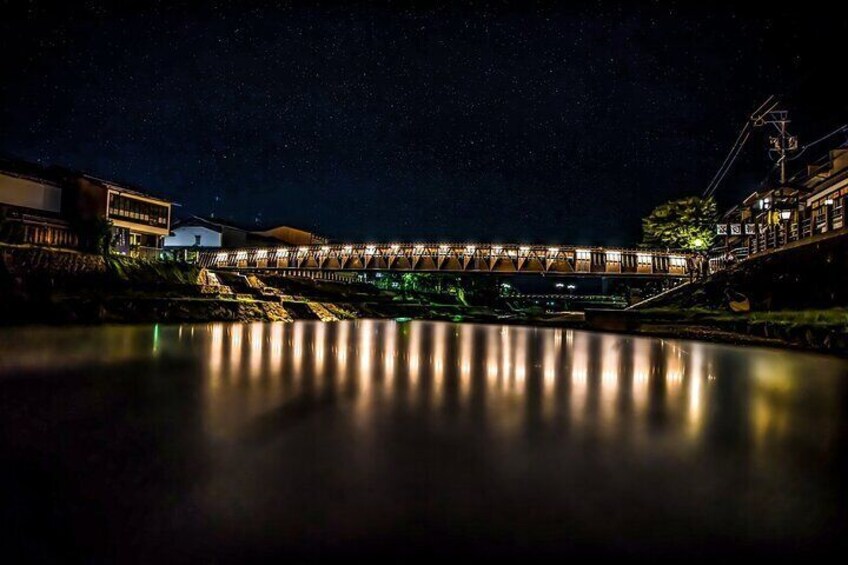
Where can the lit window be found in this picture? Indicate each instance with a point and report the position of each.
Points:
(241, 256)
(222, 257)
(583, 254)
(262, 254)
(643, 258)
(496, 250)
(614, 256)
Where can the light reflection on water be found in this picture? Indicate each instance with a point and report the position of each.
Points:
(346, 430)
(585, 379)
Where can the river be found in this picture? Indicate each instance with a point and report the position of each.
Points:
(238, 441)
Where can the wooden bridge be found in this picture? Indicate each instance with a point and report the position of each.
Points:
(453, 258)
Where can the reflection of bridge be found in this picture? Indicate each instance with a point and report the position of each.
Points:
(454, 258)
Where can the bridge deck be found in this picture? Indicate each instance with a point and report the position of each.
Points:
(454, 257)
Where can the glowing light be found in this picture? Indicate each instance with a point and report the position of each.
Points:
(497, 250)
(221, 257)
(216, 353)
(418, 249)
(348, 249)
(643, 258)
(443, 249)
(389, 351)
(699, 243)
(297, 348)
(552, 251)
(325, 249)
(470, 249)
(582, 254)
(370, 250)
(261, 253)
(256, 344)
(320, 347)
(524, 250)
(235, 347)
(395, 248)
(614, 256)
(241, 256)
(276, 357)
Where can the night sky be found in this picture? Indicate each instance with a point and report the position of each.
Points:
(405, 121)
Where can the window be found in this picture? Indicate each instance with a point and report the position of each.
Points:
(123, 207)
(197, 240)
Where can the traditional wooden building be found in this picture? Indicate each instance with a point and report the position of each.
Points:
(47, 205)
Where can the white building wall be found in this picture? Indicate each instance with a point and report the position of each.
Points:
(185, 236)
(29, 194)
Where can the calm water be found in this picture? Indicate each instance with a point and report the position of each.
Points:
(237, 441)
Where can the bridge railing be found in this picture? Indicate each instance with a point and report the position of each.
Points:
(453, 257)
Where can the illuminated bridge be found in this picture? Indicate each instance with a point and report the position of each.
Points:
(452, 258)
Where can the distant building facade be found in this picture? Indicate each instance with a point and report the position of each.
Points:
(214, 233)
(45, 206)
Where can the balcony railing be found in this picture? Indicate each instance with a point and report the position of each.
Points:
(827, 219)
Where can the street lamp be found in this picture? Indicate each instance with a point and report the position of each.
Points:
(785, 214)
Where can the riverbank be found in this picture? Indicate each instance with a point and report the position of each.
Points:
(44, 286)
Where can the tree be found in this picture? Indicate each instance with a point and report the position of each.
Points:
(687, 223)
(94, 234)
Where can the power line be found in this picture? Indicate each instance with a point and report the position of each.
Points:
(723, 163)
(756, 116)
(843, 127)
(727, 169)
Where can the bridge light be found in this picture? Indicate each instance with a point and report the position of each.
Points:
(643, 258)
(552, 251)
(613, 256)
(582, 254)
(241, 256)
(370, 250)
(443, 249)
(261, 253)
(395, 248)
(470, 249)
(511, 253)
(348, 249)
(325, 249)
(496, 250)
(559, 285)
(302, 250)
(524, 250)
(222, 257)
(418, 249)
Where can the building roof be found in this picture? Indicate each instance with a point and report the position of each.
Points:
(59, 176)
(33, 171)
(212, 223)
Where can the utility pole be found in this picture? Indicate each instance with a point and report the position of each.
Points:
(781, 144)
